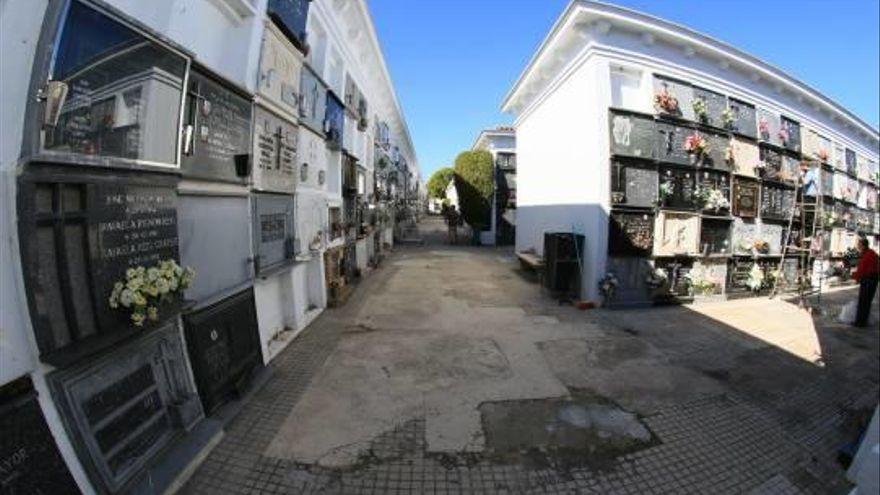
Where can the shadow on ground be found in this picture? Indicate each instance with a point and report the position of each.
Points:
(450, 372)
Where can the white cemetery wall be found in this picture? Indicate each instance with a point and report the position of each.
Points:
(563, 180)
(225, 40)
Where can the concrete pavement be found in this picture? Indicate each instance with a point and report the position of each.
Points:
(449, 372)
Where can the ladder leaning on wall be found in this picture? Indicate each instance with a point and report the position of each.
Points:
(809, 245)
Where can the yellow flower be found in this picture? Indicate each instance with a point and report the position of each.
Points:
(137, 319)
(153, 313)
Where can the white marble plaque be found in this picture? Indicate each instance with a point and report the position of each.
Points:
(745, 157)
(676, 234)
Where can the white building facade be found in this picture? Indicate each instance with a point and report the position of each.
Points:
(258, 142)
(606, 113)
(501, 143)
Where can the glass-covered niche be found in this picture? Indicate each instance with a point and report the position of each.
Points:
(123, 91)
(291, 16)
(334, 121)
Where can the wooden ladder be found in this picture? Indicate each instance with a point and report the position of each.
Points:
(804, 249)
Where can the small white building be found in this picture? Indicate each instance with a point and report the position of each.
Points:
(604, 112)
(501, 143)
(452, 195)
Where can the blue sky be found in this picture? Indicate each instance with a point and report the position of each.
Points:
(453, 61)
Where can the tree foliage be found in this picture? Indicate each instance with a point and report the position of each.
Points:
(474, 185)
(439, 181)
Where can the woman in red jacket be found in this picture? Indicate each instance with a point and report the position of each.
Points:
(867, 275)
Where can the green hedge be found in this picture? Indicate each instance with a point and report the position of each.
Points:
(439, 181)
(474, 185)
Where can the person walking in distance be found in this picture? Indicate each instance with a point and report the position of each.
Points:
(867, 275)
(452, 221)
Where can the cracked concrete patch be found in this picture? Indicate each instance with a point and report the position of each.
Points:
(413, 352)
(580, 430)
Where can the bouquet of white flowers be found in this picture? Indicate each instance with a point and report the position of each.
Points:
(756, 278)
(144, 289)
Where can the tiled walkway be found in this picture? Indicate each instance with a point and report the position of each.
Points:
(755, 436)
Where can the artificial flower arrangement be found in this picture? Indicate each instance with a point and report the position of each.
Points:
(762, 247)
(728, 118)
(696, 145)
(656, 278)
(701, 110)
(764, 129)
(783, 136)
(771, 277)
(700, 282)
(666, 101)
(608, 286)
(712, 199)
(146, 289)
(829, 218)
(756, 278)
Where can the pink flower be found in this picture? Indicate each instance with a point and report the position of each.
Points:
(695, 144)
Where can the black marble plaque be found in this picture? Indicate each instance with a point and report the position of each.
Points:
(79, 233)
(633, 184)
(631, 273)
(851, 167)
(291, 17)
(273, 231)
(850, 217)
(717, 156)
(745, 198)
(744, 118)
(791, 132)
(313, 108)
(715, 236)
(29, 458)
(714, 180)
(217, 140)
(632, 135)
(840, 209)
(715, 104)
(125, 407)
(738, 276)
(224, 347)
(669, 143)
(827, 182)
(772, 162)
(681, 91)
(631, 233)
(677, 270)
(776, 202)
(334, 123)
(680, 184)
(790, 172)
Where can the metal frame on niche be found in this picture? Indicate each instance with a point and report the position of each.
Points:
(35, 112)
